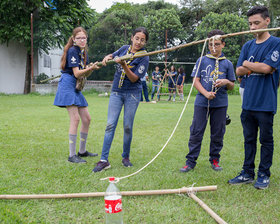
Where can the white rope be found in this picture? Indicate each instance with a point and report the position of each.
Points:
(138, 171)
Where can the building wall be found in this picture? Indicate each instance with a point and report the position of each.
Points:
(49, 63)
(12, 68)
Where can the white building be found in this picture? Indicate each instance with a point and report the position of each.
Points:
(13, 66)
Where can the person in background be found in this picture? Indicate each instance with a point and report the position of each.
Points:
(180, 82)
(215, 76)
(242, 81)
(145, 88)
(259, 60)
(172, 83)
(126, 93)
(156, 79)
(73, 65)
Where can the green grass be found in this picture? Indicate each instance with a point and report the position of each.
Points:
(34, 151)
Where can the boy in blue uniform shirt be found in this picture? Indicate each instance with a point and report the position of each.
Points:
(259, 59)
(156, 79)
(214, 77)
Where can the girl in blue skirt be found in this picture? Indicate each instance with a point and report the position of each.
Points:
(73, 66)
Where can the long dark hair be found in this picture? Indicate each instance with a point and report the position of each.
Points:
(142, 30)
(69, 44)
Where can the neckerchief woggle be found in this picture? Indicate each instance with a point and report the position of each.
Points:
(215, 73)
(128, 62)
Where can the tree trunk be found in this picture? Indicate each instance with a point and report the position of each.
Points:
(27, 83)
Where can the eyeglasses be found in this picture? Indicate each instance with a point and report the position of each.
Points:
(142, 41)
(81, 38)
(216, 44)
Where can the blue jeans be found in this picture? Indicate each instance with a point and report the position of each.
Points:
(130, 102)
(155, 89)
(197, 129)
(145, 91)
(251, 122)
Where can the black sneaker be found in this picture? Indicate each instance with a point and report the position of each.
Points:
(76, 159)
(86, 154)
(262, 182)
(126, 162)
(242, 178)
(101, 165)
(186, 169)
(215, 165)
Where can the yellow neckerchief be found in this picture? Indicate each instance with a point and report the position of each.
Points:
(128, 62)
(82, 62)
(215, 73)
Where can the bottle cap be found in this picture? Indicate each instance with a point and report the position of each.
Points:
(111, 179)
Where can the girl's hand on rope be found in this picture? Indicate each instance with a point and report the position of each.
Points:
(210, 95)
(119, 61)
(94, 66)
(106, 59)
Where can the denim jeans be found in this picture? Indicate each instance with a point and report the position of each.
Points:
(155, 89)
(130, 102)
(197, 129)
(145, 91)
(251, 122)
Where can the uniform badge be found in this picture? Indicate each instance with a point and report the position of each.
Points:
(141, 69)
(275, 56)
(73, 60)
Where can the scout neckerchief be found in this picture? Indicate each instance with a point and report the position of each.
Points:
(80, 83)
(82, 62)
(128, 62)
(215, 73)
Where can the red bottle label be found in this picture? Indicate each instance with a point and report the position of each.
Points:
(113, 206)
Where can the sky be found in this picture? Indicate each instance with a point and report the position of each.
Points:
(101, 5)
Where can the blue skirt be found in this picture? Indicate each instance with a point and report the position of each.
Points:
(67, 95)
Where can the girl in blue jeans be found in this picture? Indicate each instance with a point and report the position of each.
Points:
(126, 93)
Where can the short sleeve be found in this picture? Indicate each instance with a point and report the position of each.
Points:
(73, 58)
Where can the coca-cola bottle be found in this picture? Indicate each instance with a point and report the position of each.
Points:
(113, 204)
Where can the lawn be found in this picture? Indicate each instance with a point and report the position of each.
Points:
(34, 152)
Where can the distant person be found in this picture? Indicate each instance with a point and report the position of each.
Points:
(215, 76)
(126, 93)
(259, 59)
(156, 79)
(145, 88)
(172, 83)
(180, 82)
(73, 65)
(242, 82)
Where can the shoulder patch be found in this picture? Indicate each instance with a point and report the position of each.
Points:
(141, 69)
(275, 56)
(73, 60)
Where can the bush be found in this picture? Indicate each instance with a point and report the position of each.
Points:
(40, 77)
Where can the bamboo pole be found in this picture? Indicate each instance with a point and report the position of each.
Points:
(126, 57)
(102, 194)
(131, 57)
(217, 218)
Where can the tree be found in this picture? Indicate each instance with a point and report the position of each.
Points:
(161, 22)
(228, 23)
(53, 22)
(112, 30)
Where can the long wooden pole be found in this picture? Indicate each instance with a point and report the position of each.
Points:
(217, 218)
(131, 57)
(126, 57)
(102, 194)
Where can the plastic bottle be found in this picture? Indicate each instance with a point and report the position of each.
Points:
(113, 204)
